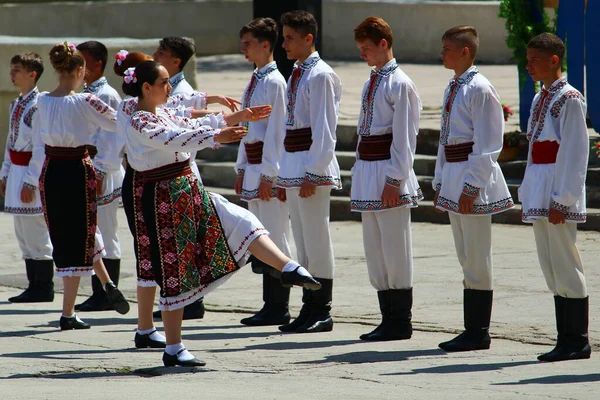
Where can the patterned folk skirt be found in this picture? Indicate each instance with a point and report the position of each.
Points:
(189, 249)
(68, 194)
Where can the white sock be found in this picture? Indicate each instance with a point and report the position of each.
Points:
(292, 265)
(173, 349)
(146, 331)
(157, 336)
(72, 316)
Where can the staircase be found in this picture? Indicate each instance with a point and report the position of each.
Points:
(218, 175)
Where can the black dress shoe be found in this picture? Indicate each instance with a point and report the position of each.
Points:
(116, 298)
(298, 322)
(171, 361)
(467, 341)
(293, 278)
(146, 342)
(316, 324)
(67, 324)
(567, 351)
(268, 316)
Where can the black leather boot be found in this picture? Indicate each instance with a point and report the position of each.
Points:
(266, 295)
(575, 344)
(275, 310)
(397, 326)
(98, 300)
(67, 324)
(25, 296)
(384, 306)
(477, 306)
(559, 314)
(303, 315)
(319, 319)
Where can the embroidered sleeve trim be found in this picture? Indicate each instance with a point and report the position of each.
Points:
(29, 186)
(267, 179)
(392, 181)
(470, 190)
(438, 187)
(559, 207)
(100, 174)
(241, 172)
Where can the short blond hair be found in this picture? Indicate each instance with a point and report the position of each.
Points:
(465, 36)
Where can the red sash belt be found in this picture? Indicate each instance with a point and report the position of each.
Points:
(297, 140)
(375, 148)
(21, 158)
(544, 152)
(169, 171)
(254, 152)
(458, 152)
(66, 153)
(92, 150)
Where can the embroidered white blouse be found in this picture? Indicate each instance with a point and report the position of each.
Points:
(267, 87)
(313, 101)
(557, 114)
(153, 141)
(20, 136)
(472, 112)
(390, 104)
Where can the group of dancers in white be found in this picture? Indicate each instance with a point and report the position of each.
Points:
(71, 156)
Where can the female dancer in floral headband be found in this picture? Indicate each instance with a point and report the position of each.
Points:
(197, 239)
(65, 123)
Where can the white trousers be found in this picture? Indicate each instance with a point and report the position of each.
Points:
(310, 227)
(560, 259)
(33, 237)
(388, 248)
(473, 242)
(109, 224)
(275, 216)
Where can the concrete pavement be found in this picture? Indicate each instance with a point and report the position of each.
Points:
(40, 362)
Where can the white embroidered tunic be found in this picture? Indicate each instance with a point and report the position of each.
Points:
(390, 104)
(180, 85)
(267, 87)
(108, 162)
(557, 114)
(472, 112)
(20, 139)
(313, 96)
(153, 141)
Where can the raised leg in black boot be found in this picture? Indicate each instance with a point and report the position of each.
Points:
(477, 306)
(319, 319)
(98, 300)
(397, 325)
(575, 344)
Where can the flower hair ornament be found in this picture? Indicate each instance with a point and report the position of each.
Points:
(120, 56)
(70, 47)
(130, 75)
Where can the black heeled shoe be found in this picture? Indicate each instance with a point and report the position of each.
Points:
(146, 342)
(116, 298)
(67, 324)
(293, 278)
(171, 361)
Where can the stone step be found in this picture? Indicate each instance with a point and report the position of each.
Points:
(222, 174)
(340, 211)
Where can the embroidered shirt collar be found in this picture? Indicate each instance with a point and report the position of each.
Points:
(265, 70)
(30, 95)
(557, 85)
(464, 78)
(387, 69)
(95, 86)
(175, 79)
(310, 61)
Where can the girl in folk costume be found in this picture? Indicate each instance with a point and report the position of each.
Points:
(468, 180)
(109, 169)
(19, 183)
(185, 105)
(553, 192)
(65, 123)
(384, 185)
(258, 160)
(197, 239)
(309, 168)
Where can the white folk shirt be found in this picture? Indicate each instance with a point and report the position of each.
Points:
(180, 85)
(154, 141)
(390, 104)
(267, 87)
(20, 138)
(472, 112)
(313, 101)
(557, 114)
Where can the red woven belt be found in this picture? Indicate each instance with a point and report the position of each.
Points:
(254, 152)
(66, 153)
(21, 158)
(544, 152)
(458, 152)
(297, 140)
(165, 172)
(375, 148)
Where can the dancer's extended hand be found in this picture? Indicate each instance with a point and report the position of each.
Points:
(228, 102)
(250, 114)
(231, 134)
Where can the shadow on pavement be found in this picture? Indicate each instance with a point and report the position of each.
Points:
(143, 372)
(464, 368)
(288, 346)
(554, 380)
(74, 354)
(4, 311)
(365, 357)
